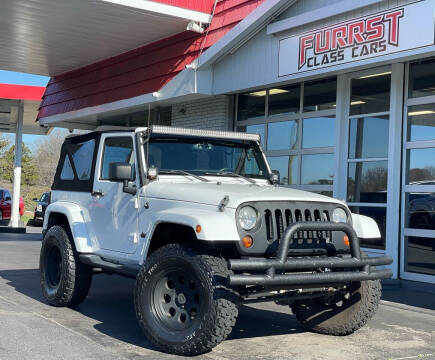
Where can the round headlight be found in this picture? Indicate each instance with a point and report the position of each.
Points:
(339, 215)
(247, 217)
(39, 207)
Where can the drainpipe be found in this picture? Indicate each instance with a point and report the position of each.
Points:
(15, 217)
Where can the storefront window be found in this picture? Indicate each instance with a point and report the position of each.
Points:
(420, 255)
(254, 129)
(317, 169)
(287, 167)
(420, 210)
(285, 100)
(318, 132)
(367, 182)
(370, 94)
(421, 122)
(368, 137)
(320, 95)
(300, 145)
(422, 78)
(421, 166)
(379, 214)
(282, 135)
(251, 105)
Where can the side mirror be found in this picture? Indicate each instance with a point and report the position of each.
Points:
(120, 172)
(275, 177)
(35, 199)
(152, 173)
(123, 172)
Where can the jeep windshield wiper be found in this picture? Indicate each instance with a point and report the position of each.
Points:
(186, 173)
(230, 173)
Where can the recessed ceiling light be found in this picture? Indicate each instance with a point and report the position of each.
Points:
(358, 102)
(421, 112)
(375, 75)
(258, 93)
(277, 91)
(271, 92)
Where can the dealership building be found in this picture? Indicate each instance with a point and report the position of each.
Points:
(342, 92)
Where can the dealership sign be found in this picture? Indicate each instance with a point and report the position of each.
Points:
(392, 31)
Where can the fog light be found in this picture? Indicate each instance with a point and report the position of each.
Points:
(247, 241)
(346, 240)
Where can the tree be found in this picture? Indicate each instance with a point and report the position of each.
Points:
(29, 172)
(4, 143)
(46, 154)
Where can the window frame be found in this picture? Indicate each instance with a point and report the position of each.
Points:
(299, 151)
(103, 148)
(408, 188)
(76, 184)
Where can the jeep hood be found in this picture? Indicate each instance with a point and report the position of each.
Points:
(212, 193)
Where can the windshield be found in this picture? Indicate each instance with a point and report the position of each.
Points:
(207, 156)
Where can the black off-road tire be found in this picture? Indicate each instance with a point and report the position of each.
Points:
(320, 317)
(217, 304)
(36, 222)
(67, 285)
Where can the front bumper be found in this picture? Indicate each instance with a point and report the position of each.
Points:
(310, 270)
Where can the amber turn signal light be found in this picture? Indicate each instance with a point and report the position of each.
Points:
(346, 240)
(198, 228)
(247, 241)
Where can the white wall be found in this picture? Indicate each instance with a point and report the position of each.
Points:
(214, 113)
(255, 64)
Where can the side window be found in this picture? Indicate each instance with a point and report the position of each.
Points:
(1, 194)
(116, 149)
(7, 196)
(82, 156)
(67, 171)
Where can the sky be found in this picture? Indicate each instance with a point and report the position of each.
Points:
(11, 77)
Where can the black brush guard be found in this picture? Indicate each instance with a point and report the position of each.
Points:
(351, 267)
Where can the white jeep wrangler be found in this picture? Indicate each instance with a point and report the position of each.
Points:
(198, 219)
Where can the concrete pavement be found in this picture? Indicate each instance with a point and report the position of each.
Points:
(104, 326)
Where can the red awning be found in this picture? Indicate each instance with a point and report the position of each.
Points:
(21, 92)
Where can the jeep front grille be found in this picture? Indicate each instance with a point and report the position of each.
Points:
(277, 220)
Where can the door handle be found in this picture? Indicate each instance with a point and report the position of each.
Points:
(98, 193)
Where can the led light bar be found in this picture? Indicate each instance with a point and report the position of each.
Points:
(169, 130)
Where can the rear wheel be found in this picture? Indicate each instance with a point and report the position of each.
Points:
(342, 313)
(182, 302)
(65, 281)
(35, 221)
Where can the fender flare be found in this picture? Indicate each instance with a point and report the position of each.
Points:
(365, 227)
(77, 224)
(212, 223)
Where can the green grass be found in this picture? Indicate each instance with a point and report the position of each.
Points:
(28, 216)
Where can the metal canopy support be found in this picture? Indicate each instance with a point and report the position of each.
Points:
(15, 217)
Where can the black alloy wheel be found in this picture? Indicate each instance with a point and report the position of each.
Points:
(53, 265)
(177, 299)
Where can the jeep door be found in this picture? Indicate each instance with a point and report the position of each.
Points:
(114, 213)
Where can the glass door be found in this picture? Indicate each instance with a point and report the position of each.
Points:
(418, 190)
(368, 125)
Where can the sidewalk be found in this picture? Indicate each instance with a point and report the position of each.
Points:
(410, 295)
